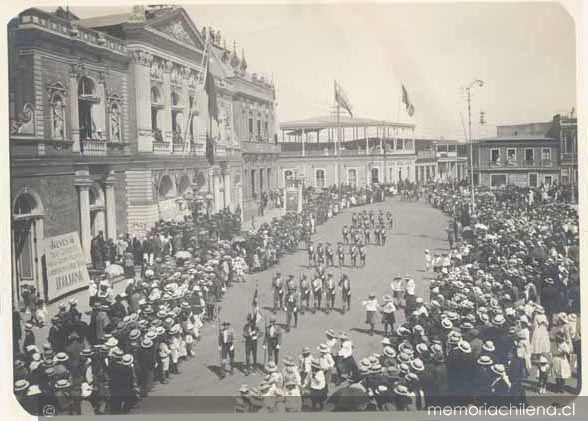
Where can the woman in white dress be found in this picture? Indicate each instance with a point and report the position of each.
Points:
(540, 339)
(560, 367)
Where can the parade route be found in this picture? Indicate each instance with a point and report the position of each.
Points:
(417, 227)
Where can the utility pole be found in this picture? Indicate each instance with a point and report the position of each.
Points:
(468, 89)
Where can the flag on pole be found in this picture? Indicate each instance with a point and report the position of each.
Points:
(209, 149)
(255, 297)
(341, 99)
(210, 89)
(406, 102)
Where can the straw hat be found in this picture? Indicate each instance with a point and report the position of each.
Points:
(485, 360)
(21, 385)
(498, 369)
(270, 367)
(62, 384)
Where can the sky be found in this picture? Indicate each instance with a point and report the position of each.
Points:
(524, 53)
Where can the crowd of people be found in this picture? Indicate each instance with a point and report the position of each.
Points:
(501, 318)
(105, 361)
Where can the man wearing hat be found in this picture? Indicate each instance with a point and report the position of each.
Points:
(304, 364)
(550, 299)
(273, 340)
(278, 291)
(63, 398)
(371, 306)
(291, 307)
(251, 334)
(317, 385)
(226, 346)
(388, 318)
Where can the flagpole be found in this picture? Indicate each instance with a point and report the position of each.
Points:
(338, 138)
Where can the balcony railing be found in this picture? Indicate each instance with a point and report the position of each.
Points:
(569, 157)
(91, 147)
(543, 163)
(163, 148)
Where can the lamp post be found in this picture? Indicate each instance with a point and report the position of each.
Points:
(479, 83)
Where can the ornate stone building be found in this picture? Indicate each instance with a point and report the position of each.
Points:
(248, 102)
(109, 122)
(69, 139)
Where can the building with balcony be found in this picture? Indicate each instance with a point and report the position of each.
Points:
(524, 161)
(364, 152)
(247, 106)
(70, 137)
(109, 122)
(563, 128)
(442, 160)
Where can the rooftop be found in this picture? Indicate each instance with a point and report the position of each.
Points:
(325, 122)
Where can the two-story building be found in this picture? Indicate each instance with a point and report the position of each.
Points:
(441, 159)
(525, 161)
(353, 151)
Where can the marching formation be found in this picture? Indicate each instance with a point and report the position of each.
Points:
(501, 320)
(108, 359)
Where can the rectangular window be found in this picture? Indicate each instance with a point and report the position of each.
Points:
(511, 156)
(266, 131)
(399, 144)
(497, 180)
(408, 144)
(320, 178)
(546, 154)
(259, 127)
(250, 126)
(532, 180)
(495, 156)
(548, 180)
(529, 155)
(352, 177)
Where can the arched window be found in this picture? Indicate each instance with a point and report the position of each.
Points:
(27, 234)
(156, 105)
(183, 184)
(177, 126)
(87, 101)
(352, 177)
(320, 178)
(166, 187)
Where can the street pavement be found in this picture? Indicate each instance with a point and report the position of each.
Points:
(417, 227)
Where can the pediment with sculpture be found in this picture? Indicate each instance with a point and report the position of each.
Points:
(181, 28)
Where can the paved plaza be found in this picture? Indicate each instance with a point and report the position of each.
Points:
(417, 227)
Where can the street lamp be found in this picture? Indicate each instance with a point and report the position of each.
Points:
(479, 83)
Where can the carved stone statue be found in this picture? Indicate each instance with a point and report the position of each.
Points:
(115, 123)
(138, 14)
(24, 123)
(58, 118)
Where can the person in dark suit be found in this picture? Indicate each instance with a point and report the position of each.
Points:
(273, 340)
(550, 299)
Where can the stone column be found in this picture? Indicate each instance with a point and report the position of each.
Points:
(100, 108)
(83, 182)
(73, 109)
(109, 184)
(142, 82)
(166, 93)
(227, 187)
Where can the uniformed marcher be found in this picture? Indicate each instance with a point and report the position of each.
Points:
(251, 334)
(291, 307)
(273, 341)
(226, 346)
(345, 285)
(388, 317)
(278, 291)
(330, 291)
(305, 292)
(341, 254)
(329, 253)
(317, 292)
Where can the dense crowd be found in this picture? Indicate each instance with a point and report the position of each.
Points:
(501, 317)
(107, 362)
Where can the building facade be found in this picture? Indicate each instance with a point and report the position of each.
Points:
(564, 129)
(363, 153)
(109, 124)
(518, 160)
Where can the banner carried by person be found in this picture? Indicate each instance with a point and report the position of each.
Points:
(65, 264)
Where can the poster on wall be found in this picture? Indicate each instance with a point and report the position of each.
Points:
(291, 200)
(65, 264)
